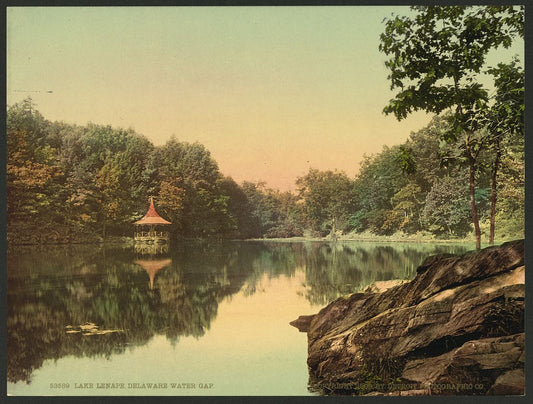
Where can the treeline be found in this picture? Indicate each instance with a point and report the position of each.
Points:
(414, 188)
(433, 194)
(68, 182)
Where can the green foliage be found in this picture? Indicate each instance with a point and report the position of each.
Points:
(404, 216)
(380, 177)
(436, 55)
(446, 210)
(240, 209)
(510, 207)
(435, 61)
(357, 221)
(406, 160)
(67, 181)
(505, 123)
(187, 184)
(273, 214)
(507, 113)
(328, 200)
(433, 197)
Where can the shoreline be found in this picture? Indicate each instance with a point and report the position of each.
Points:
(376, 239)
(349, 238)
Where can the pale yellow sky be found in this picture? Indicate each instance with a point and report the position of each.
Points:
(270, 91)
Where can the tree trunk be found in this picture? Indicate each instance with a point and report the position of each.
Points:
(494, 195)
(334, 229)
(475, 218)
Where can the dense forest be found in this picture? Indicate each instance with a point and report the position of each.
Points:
(85, 183)
(462, 174)
(68, 182)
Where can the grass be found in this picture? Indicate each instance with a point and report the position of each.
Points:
(419, 237)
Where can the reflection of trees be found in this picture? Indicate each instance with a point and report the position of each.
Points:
(48, 290)
(41, 301)
(337, 269)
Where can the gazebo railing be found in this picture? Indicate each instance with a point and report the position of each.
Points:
(151, 235)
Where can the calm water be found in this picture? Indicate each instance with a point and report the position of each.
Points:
(203, 319)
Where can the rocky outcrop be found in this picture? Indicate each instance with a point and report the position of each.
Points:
(382, 286)
(457, 328)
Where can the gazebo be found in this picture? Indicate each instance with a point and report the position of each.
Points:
(148, 229)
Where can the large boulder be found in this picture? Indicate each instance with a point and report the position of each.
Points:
(411, 336)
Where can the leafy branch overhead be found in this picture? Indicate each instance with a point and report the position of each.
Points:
(436, 56)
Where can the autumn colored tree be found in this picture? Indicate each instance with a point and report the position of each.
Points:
(187, 181)
(32, 176)
(84, 183)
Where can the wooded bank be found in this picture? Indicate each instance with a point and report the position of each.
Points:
(69, 183)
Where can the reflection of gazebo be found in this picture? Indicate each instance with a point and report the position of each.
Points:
(151, 249)
(147, 228)
(152, 267)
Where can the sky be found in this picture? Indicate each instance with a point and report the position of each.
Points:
(270, 91)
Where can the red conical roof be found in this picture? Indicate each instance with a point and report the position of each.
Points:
(152, 217)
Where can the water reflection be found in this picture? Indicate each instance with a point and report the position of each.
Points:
(338, 269)
(152, 267)
(151, 248)
(70, 286)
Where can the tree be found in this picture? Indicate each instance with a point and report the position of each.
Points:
(380, 177)
(510, 212)
(290, 217)
(328, 199)
(435, 59)
(425, 149)
(445, 211)
(407, 202)
(239, 208)
(32, 173)
(104, 175)
(264, 207)
(506, 121)
(187, 175)
(85, 182)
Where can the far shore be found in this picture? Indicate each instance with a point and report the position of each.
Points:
(364, 237)
(380, 239)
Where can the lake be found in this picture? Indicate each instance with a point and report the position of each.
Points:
(204, 318)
